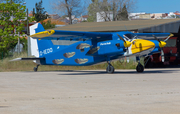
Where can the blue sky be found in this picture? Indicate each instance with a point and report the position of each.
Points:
(148, 6)
(158, 6)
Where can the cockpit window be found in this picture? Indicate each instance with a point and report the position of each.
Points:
(130, 36)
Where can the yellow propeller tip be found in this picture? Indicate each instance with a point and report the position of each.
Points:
(162, 44)
(127, 44)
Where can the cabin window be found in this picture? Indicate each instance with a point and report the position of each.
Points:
(171, 43)
(63, 42)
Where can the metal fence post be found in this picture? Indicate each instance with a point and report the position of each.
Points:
(29, 46)
(2, 56)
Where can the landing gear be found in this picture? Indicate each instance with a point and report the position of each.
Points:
(36, 68)
(140, 67)
(110, 69)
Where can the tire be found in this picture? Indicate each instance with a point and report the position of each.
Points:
(35, 69)
(110, 69)
(140, 68)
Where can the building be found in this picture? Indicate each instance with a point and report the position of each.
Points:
(133, 16)
(83, 18)
(145, 16)
(54, 16)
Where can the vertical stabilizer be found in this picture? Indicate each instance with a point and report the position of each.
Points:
(34, 43)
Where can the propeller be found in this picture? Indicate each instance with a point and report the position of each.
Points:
(126, 43)
(162, 44)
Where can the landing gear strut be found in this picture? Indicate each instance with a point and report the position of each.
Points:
(36, 68)
(140, 67)
(110, 69)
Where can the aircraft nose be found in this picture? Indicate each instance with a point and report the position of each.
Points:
(162, 44)
(140, 45)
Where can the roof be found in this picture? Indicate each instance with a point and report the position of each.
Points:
(55, 21)
(114, 26)
(177, 13)
(85, 16)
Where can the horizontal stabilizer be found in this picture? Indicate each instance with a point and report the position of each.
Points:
(21, 59)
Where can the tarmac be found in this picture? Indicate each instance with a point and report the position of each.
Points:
(155, 91)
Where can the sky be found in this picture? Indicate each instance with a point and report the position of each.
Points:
(148, 6)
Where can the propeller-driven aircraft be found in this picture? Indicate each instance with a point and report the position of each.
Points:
(75, 48)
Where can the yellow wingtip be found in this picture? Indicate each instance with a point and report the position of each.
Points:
(171, 35)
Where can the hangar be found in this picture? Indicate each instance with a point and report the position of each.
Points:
(172, 49)
(157, 25)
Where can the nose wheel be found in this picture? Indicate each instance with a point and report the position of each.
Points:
(140, 67)
(36, 68)
(110, 69)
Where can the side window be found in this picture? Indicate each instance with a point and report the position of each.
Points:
(63, 42)
(171, 43)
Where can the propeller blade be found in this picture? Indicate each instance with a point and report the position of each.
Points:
(162, 55)
(171, 35)
(161, 43)
(121, 38)
(156, 38)
(126, 43)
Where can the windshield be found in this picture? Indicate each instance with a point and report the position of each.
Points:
(129, 36)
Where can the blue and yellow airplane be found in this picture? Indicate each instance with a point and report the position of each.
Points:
(75, 48)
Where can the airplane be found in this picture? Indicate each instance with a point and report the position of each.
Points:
(79, 48)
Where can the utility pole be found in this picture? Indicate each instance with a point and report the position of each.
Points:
(28, 38)
(27, 23)
(18, 46)
(114, 10)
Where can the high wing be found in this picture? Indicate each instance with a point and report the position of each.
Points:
(71, 35)
(151, 35)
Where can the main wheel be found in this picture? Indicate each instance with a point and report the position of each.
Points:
(110, 69)
(140, 68)
(35, 69)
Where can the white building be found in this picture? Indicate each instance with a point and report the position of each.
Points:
(171, 15)
(135, 15)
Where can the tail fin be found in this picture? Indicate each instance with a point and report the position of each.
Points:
(38, 47)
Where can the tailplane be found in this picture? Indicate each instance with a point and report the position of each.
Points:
(39, 47)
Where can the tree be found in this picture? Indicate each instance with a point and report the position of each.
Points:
(48, 25)
(40, 14)
(119, 9)
(92, 10)
(123, 14)
(68, 7)
(10, 22)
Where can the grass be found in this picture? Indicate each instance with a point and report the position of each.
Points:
(7, 66)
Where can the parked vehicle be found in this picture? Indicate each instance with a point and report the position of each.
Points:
(170, 55)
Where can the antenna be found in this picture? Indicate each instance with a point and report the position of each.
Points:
(125, 27)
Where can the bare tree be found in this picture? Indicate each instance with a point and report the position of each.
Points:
(122, 7)
(112, 9)
(68, 7)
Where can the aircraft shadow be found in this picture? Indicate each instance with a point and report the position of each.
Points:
(75, 72)
(91, 72)
(4, 106)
